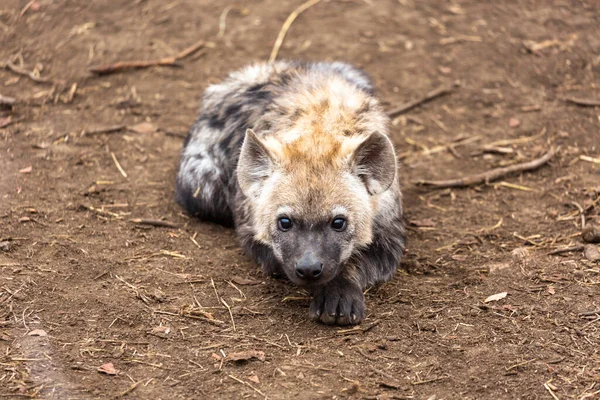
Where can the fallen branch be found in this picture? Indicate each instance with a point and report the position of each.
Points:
(434, 94)
(168, 61)
(583, 102)
(491, 175)
(569, 249)
(286, 26)
(154, 222)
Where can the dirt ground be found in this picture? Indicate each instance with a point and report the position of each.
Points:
(82, 286)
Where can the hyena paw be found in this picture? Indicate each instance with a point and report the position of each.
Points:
(338, 303)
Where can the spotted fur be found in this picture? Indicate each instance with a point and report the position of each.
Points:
(308, 141)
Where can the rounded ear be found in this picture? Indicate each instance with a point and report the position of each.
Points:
(255, 163)
(374, 161)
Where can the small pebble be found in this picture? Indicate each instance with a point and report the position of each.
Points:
(591, 253)
(591, 233)
(5, 246)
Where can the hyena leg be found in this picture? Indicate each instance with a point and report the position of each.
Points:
(202, 184)
(339, 302)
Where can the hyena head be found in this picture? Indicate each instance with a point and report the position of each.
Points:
(314, 199)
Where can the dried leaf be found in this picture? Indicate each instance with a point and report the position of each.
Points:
(5, 122)
(254, 378)
(143, 128)
(496, 297)
(551, 289)
(247, 355)
(26, 170)
(161, 331)
(520, 253)
(37, 332)
(245, 281)
(108, 369)
(513, 122)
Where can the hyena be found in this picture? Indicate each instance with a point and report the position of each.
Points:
(296, 156)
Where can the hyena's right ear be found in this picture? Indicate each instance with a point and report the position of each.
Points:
(255, 163)
(375, 162)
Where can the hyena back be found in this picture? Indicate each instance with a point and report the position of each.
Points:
(296, 156)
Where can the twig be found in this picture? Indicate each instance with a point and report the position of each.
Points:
(168, 61)
(521, 140)
(550, 391)
(7, 101)
(27, 6)
(193, 239)
(578, 247)
(118, 165)
(230, 313)
(384, 374)
(490, 175)
(583, 102)
(286, 26)
(30, 75)
(247, 384)
(154, 222)
(434, 94)
(415, 383)
(589, 313)
(71, 93)
(129, 390)
(590, 159)
(108, 129)
(519, 364)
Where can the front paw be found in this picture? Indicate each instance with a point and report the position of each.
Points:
(340, 302)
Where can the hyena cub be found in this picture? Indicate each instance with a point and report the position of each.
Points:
(296, 156)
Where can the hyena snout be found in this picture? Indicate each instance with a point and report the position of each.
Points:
(309, 267)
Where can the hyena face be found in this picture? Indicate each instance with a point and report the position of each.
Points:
(314, 198)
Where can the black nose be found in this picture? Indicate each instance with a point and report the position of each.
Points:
(309, 268)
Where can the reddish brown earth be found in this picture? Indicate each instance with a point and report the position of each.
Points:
(106, 290)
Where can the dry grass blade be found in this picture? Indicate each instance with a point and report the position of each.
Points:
(121, 170)
(490, 175)
(286, 26)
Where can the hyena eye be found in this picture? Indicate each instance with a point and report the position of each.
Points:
(284, 224)
(339, 224)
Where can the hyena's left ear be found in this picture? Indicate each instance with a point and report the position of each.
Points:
(255, 163)
(375, 162)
